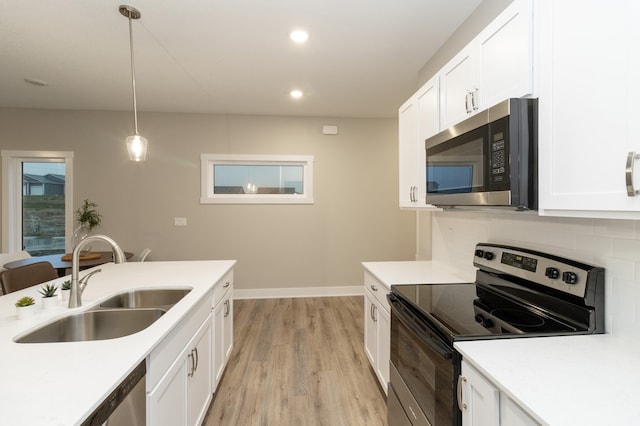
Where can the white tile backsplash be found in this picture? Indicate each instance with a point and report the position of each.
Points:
(612, 244)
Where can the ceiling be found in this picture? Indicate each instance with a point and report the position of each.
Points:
(222, 56)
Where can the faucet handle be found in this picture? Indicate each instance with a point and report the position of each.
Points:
(84, 280)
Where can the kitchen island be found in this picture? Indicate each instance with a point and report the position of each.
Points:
(63, 383)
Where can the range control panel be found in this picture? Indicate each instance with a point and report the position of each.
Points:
(566, 275)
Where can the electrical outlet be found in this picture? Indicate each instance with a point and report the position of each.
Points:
(180, 221)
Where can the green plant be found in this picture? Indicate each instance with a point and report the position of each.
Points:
(88, 214)
(66, 285)
(25, 301)
(48, 290)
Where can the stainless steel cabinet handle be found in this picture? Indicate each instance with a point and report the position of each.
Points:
(466, 102)
(474, 103)
(461, 380)
(227, 308)
(197, 360)
(371, 311)
(375, 313)
(373, 287)
(227, 284)
(631, 158)
(190, 373)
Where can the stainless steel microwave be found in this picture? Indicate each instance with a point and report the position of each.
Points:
(489, 160)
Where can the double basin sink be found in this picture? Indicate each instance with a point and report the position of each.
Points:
(118, 316)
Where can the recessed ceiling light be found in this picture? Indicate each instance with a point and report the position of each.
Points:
(296, 94)
(36, 82)
(299, 36)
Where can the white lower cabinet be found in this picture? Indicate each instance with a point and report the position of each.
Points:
(183, 394)
(482, 403)
(377, 328)
(222, 333)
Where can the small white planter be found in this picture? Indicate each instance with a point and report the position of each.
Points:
(65, 294)
(49, 302)
(26, 312)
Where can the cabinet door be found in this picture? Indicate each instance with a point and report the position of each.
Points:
(505, 68)
(512, 415)
(407, 136)
(370, 337)
(588, 107)
(481, 400)
(222, 336)
(228, 327)
(458, 88)
(167, 402)
(383, 337)
(198, 365)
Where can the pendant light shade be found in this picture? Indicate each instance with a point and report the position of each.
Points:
(137, 147)
(136, 144)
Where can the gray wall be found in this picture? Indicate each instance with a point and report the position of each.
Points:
(355, 216)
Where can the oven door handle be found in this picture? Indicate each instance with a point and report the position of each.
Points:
(442, 350)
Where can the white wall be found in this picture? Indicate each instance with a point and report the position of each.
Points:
(612, 244)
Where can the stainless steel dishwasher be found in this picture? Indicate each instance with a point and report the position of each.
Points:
(126, 405)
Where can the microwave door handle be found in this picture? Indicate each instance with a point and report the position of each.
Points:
(442, 350)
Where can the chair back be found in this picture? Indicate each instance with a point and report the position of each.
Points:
(142, 256)
(10, 257)
(26, 276)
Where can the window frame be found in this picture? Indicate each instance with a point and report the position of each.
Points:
(12, 194)
(208, 161)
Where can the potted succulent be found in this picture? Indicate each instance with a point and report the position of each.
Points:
(88, 218)
(65, 289)
(48, 292)
(25, 307)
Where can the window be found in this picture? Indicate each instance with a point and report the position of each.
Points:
(37, 201)
(256, 179)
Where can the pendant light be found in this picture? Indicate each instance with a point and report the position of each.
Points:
(136, 144)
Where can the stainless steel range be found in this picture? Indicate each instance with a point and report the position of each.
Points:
(517, 293)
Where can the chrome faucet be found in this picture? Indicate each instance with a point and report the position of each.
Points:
(78, 286)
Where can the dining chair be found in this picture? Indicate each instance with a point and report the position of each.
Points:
(26, 276)
(10, 257)
(142, 256)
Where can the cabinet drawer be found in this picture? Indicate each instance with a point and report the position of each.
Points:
(377, 289)
(163, 356)
(221, 287)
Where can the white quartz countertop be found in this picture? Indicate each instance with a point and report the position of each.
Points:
(62, 383)
(416, 272)
(572, 380)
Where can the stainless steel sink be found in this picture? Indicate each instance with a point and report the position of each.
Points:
(94, 325)
(146, 298)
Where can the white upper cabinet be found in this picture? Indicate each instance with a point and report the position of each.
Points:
(505, 49)
(589, 109)
(496, 65)
(418, 119)
(459, 89)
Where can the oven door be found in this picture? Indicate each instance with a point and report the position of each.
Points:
(423, 365)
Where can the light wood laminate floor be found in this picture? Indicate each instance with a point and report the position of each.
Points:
(298, 362)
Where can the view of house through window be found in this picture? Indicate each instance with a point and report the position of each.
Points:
(43, 207)
(257, 179)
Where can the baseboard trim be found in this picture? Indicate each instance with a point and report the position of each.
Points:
(285, 293)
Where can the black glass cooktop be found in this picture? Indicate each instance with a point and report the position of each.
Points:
(467, 311)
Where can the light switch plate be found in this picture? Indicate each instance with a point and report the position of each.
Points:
(180, 221)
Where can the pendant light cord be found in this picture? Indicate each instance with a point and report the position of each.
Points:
(133, 77)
